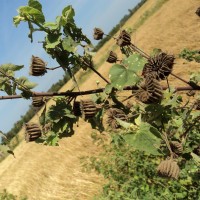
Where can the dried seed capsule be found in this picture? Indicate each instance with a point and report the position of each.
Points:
(37, 101)
(176, 147)
(197, 150)
(98, 34)
(112, 58)
(88, 109)
(190, 93)
(197, 105)
(168, 168)
(32, 132)
(198, 11)
(159, 66)
(114, 113)
(124, 39)
(37, 67)
(76, 108)
(149, 91)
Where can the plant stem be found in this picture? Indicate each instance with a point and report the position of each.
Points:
(87, 92)
(53, 68)
(95, 71)
(135, 48)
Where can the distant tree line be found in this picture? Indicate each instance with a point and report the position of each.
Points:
(57, 86)
(116, 28)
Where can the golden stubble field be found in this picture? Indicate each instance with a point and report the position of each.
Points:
(55, 173)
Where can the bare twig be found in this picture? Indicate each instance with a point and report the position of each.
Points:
(54, 68)
(79, 93)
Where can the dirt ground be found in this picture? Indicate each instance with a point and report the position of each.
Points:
(55, 173)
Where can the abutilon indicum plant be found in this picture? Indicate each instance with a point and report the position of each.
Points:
(154, 149)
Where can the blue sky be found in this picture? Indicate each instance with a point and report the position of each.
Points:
(16, 48)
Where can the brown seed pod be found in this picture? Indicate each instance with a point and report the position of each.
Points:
(37, 67)
(32, 132)
(198, 11)
(124, 39)
(76, 108)
(37, 101)
(149, 91)
(197, 105)
(88, 108)
(98, 34)
(112, 58)
(114, 113)
(159, 66)
(176, 147)
(169, 168)
(197, 150)
(191, 93)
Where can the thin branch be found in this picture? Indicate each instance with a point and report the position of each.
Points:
(95, 71)
(80, 93)
(142, 53)
(54, 68)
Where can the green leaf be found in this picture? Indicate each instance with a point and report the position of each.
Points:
(16, 67)
(67, 15)
(60, 110)
(69, 44)
(30, 12)
(121, 76)
(138, 120)
(17, 19)
(147, 139)
(124, 124)
(196, 158)
(51, 25)
(135, 63)
(25, 82)
(52, 139)
(52, 41)
(35, 4)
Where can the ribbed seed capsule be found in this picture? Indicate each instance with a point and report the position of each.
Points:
(149, 91)
(88, 109)
(176, 147)
(98, 34)
(32, 132)
(77, 108)
(114, 113)
(197, 105)
(198, 11)
(168, 168)
(37, 101)
(112, 58)
(123, 39)
(159, 66)
(37, 67)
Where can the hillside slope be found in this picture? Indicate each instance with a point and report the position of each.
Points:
(55, 173)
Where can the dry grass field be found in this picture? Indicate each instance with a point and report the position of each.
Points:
(55, 173)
